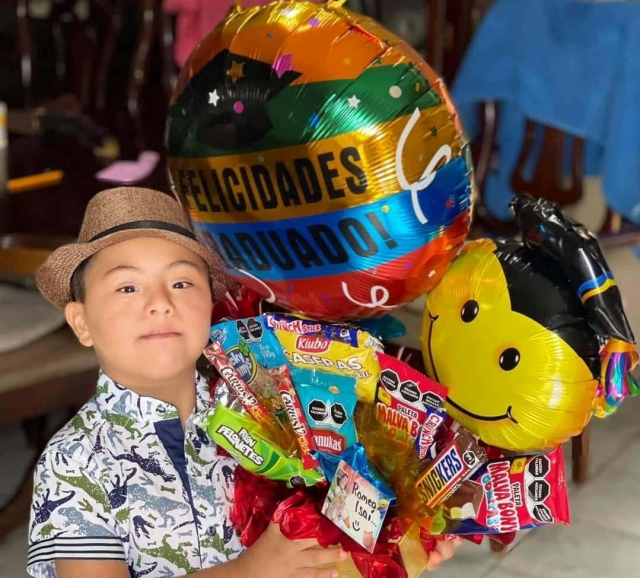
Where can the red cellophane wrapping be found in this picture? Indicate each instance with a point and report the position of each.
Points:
(259, 501)
(243, 303)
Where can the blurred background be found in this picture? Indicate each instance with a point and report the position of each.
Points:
(549, 94)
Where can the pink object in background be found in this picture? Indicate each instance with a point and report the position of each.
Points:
(128, 172)
(195, 19)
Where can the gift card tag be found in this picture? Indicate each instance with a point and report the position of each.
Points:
(356, 506)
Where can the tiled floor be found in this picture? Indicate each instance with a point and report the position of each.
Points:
(601, 542)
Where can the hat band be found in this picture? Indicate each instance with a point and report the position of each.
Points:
(145, 225)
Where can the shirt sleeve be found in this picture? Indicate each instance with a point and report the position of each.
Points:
(70, 517)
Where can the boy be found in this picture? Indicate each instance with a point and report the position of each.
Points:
(130, 486)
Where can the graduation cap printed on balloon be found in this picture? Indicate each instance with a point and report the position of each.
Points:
(223, 106)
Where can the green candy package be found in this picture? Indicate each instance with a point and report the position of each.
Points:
(249, 443)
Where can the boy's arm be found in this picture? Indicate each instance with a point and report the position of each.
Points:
(71, 517)
(272, 556)
(113, 569)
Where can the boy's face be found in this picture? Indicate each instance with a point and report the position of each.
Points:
(147, 311)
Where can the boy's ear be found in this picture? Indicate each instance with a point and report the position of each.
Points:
(74, 313)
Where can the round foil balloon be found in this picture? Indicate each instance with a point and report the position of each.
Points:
(321, 157)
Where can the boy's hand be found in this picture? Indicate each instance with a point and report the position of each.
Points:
(444, 551)
(274, 556)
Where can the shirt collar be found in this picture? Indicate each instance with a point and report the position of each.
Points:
(111, 397)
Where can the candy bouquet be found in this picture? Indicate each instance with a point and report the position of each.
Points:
(323, 161)
(338, 441)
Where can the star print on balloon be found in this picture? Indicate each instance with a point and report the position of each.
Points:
(317, 176)
(236, 71)
(236, 88)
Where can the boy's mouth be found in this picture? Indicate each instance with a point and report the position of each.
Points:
(160, 335)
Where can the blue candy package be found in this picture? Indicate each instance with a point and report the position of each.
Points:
(329, 402)
(247, 342)
(356, 457)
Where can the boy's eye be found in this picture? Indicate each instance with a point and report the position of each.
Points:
(181, 285)
(127, 289)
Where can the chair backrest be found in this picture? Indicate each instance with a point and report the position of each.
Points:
(105, 55)
(543, 149)
(450, 27)
(539, 171)
(70, 48)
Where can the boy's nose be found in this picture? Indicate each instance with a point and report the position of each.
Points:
(160, 303)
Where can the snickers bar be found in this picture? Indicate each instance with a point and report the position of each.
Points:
(456, 463)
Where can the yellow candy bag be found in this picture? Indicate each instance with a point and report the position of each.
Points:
(337, 349)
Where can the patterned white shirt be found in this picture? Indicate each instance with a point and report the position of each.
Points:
(124, 481)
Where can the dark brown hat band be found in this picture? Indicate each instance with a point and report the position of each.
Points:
(145, 225)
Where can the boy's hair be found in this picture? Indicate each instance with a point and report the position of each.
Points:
(78, 285)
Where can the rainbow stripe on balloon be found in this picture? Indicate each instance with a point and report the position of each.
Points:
(322, 158)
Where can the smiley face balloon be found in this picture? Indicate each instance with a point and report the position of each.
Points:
(531, 338)
(505, 332)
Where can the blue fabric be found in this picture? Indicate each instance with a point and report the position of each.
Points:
(171, 435)
(570, 64)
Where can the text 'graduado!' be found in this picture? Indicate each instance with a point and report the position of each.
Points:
(264, 188)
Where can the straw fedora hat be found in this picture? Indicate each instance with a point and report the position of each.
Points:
(117, 215)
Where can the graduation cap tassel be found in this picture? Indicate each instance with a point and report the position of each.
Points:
(617, 382)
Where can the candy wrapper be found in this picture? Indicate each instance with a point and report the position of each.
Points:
(337, 349)
(237, 385)
(296, 415)
(256, 451)
(252, 350)
(515, 493)
(328, 402)
(405, 400)
(446, 473)
(247, 343)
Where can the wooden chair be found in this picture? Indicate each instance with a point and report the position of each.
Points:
(51, 374)
(80, 46)
(540, 171)
(103, 59)
(450, 26)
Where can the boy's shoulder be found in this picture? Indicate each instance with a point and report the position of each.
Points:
(80, 436)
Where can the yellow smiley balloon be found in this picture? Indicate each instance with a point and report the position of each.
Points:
(508, 336)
